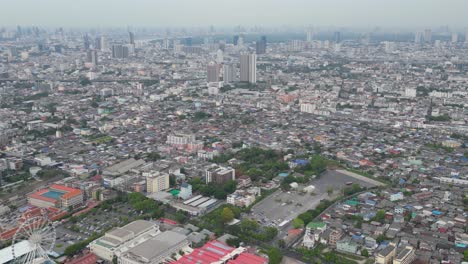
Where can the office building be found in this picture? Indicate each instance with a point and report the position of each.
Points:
(119, 51)
(156, 181)
(337, 36)
(131, 37)
(86, 42)
(309, 35)
(261, 45)
(219, 174)
(454, 37)
(212, 72)
(228, 73)
(428, 36)
(417, 37)
(92, 57)
(248, 68)
(235, 40)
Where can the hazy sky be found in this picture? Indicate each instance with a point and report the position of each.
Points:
(352, 13)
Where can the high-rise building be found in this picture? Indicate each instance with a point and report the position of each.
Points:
(188, 41)
(86, 42)
(156, 182)
(417, 37)
(219, 56)
(228, 73)
(212, 72)
(261, 45)
(166, 44)
(97, 43)
(91, 56)
(466, 35)
(119, 51)
(235, 40)
(428, 36)
(100, 43)
(131, 37)
(337, 36)
(248, 68)
(309, 34)
(454, 37)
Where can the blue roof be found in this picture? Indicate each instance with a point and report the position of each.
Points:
(436, 212)
(301, 161)
(283, 174)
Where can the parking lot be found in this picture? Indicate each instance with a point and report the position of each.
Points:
(96, 221)
(281, 207)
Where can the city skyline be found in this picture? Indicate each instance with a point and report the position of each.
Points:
(182, 13)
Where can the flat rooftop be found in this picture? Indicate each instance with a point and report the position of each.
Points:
(157, 246)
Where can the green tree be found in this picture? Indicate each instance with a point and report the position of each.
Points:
(329, 191)
(365, 253)
(274, 256)
(227, 215)
(379, 216)
(298, 223)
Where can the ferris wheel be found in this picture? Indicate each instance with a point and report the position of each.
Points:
(40, 235)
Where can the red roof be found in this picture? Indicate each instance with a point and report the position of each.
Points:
(89, 258)
(247, 258)
(70, 192)
(294, 232)
(214, 251)
(210, 252)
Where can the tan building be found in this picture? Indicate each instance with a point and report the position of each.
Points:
(156, 182)
(386, 255)
(405, 256)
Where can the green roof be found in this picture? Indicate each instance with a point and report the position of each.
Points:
(174, 192)
(351, 202)
(316, 225)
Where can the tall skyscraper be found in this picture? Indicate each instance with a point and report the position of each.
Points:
(261, 45)
(131, 37)
(228, 73)
(417, 37)
(337, 36)
(212, 72)
(235, 40)
(119, 51)
(86, 42)
(309, 34)
(248, 68)
(428, 36)
(454, 37)
(466, 35)
(91, 56)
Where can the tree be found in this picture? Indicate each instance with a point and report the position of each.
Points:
(281, 243)
(233, 241)
(227, 215)
(274, 256)
(329, 191)
(365, 253)
(379, 216)
(298, 223)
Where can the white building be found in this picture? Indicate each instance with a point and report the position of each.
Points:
(158, 249)
(120, 240)
(185, 191)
